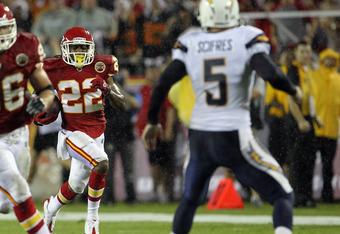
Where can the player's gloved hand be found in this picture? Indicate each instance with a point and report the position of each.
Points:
(44, 119)
(100, 83)
(35, 104)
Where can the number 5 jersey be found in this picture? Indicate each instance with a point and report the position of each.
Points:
(219, 68)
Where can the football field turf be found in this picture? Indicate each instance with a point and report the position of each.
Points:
(152, 218)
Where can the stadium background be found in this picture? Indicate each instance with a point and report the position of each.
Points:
(143, 180)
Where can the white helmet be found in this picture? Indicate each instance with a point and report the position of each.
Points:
(77, 36)
(7, 20)
(219, 13)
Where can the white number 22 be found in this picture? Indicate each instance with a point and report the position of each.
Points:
(91, 101)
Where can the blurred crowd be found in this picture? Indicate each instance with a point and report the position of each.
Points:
(141, 34)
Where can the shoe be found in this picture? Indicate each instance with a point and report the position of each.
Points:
(49, 218)
(92, 227)
(256, 201)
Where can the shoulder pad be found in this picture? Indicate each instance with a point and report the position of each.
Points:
(107, 59)
(51, 63)
(27, 36)
(257, 39)
(110, 61)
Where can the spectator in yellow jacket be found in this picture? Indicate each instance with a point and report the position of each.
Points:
(304, 147)
(326, 90)
(277, 116)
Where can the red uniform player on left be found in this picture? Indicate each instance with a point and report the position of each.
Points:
(20, 61)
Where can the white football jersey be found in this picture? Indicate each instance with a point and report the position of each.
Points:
(219, 68)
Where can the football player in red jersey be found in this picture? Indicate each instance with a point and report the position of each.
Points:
(82, 80)
(20, 61)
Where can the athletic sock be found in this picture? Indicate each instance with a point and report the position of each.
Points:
(95, 192)
(184, 216)
(283, 212)
(30, 218)
(64, 197)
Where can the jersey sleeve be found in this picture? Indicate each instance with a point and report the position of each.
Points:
(256, 42)
(105, 65)
(113, 67)
(29, 51)
(179, 50)
(38, 54)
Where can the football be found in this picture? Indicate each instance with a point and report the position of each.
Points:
(54, 108)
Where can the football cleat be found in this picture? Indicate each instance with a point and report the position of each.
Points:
(92, 227)
(49, 218)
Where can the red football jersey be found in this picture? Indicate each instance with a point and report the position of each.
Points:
(82, 105)
(16, 65)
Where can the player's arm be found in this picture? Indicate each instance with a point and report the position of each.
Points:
(295, 110)
(270, 72)
(110, 90)
(44, 90)
(174, 72)
(303, 124)
(108, 87)
(115, 96)
(131, 102)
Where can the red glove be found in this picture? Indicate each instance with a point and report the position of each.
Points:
(100, 83)
(42, 118)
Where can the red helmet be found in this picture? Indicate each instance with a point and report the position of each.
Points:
(7, 20)
(77, 36)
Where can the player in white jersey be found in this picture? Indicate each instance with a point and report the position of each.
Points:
(221, 62)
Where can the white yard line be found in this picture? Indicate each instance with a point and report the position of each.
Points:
(200, 218)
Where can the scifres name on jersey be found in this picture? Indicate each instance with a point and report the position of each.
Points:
(215, 45)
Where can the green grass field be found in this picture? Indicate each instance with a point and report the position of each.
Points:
(156, 227)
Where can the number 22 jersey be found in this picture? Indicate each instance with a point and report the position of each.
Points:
(82, 105)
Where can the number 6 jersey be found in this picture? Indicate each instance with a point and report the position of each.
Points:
(82, 105)
(16, 65)
(221, 76)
